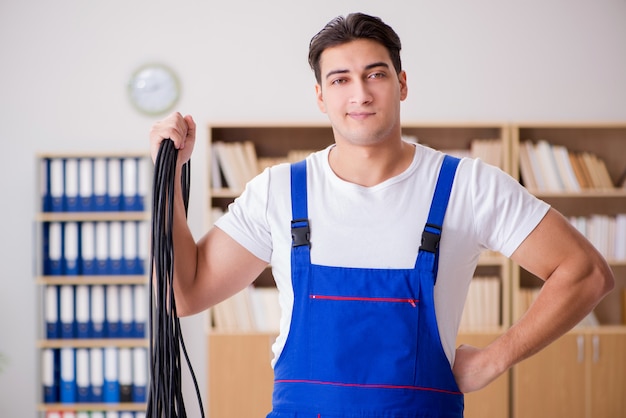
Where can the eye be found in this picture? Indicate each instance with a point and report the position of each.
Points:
(378, 74)
(338, 81)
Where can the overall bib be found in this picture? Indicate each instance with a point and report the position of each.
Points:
(364, 342)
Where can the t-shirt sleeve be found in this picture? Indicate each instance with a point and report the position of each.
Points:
(505, 212)
(246, 218)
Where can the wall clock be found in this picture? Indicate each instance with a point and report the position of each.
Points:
(154, 89)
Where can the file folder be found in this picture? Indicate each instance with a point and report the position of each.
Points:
(114, 184)
(57, 174)
(88, 248)
(116, 241)
(53, 243)
(140, 374)
(97, 320)
(70, 249)
(140, 310)
(46, 198)
(102, 248)
(85, 191)
(70, 202)
(82, 311)
(100, 199)
(125, 374)
(52, 312)
(96, 375)
(130, 178)
(68, 380)
(126, 311)
(67, 311)
(111, 382)
(131, 260)
(112, 311)
(83, 387)
(143, 249)
(48, 376)
(144, 182)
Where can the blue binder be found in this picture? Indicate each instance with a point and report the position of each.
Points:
(114, 184)
(53, 329)
(87, 248)
(85, 191)
(130, 181)
(96, 375)
(70, 248)
(46, 197)
(97, 320)
(53, 248)
(140, 311)
(82, 311)
(100, 200)
(68, 376)
(82, 375)
(111, 392)
(102, 248)
(126, 311)
(112, 312)
(66, 304)
(49, 375)
(70, 196)
(57, 186)
(116, 242)
(140, 374)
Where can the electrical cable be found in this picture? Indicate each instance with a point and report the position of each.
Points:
(165, 399)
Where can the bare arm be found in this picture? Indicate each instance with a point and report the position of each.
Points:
(576, 278)
(216, 266)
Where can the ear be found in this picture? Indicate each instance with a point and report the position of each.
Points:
(404, 89)
(320, 98)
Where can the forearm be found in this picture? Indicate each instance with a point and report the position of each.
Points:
(568, 295)
(184, 248)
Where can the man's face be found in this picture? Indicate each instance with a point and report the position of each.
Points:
(360, 91)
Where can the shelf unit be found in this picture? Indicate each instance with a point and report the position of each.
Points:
(587, 364)
(91, 275)
(225, 382)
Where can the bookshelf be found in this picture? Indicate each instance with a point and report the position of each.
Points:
(230, 346)
(91, 275)
(588, 362)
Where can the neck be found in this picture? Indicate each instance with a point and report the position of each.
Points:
(370, 165)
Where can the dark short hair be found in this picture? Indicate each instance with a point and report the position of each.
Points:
(349, 28)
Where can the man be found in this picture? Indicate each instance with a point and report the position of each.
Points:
(371, 299)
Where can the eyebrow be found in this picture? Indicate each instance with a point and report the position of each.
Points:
(367, 67)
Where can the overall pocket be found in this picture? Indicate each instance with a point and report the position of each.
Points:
(364, 328)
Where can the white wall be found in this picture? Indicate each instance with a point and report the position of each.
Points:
(64, 65)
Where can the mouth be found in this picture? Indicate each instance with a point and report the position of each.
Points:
(360, 115)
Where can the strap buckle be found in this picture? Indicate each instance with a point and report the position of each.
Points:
(300, 232)
(430, 239)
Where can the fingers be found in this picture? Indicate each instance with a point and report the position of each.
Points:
(175, 127)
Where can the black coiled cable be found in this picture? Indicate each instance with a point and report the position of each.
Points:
(165, 399)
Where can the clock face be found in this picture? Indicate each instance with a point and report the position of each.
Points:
(154, 89)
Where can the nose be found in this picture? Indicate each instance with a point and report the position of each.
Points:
(361, 93)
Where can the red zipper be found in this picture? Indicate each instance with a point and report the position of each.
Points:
(366, 299)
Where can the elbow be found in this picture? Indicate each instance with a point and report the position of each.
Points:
(604, 281)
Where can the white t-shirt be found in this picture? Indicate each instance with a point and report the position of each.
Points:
(381, 226)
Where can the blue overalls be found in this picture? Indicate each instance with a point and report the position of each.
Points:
(364, 342)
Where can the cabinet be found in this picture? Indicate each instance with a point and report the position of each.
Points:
(91, 276)
(580, 375)
(583, 374)
(233, 389)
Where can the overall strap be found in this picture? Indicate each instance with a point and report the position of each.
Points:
(438, 206)
(300, 223)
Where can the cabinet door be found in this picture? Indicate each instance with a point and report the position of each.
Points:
(552, 382)
(240, 375)
(493, 400)
(607, 375)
